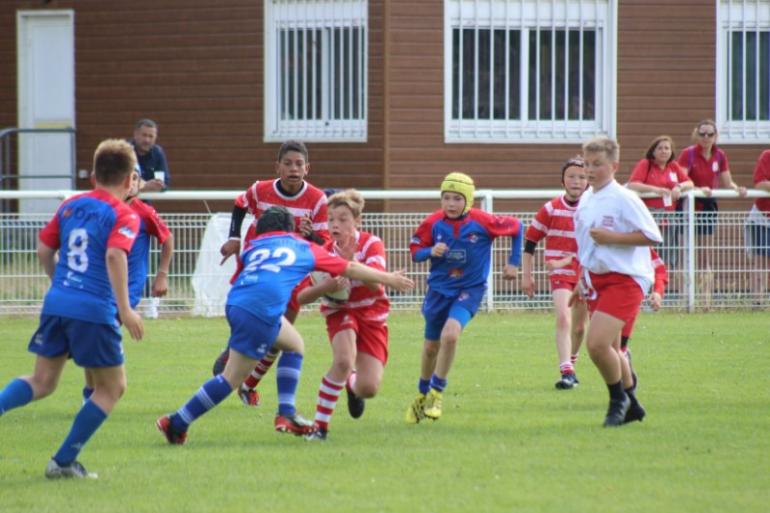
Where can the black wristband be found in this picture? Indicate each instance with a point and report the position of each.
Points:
(529, 247)
(236, 220)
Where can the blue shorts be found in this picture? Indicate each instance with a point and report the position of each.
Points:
(90, 344)
(437, 308)
(760, 240)
(250, 335)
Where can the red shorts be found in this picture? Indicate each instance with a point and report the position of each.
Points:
(617, 295)
(560, 283)
(371, 336)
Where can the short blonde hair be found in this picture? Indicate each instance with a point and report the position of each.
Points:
(603, 144)
(350, 198)
(114, 160)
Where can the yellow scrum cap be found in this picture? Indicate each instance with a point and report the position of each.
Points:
(461, 184)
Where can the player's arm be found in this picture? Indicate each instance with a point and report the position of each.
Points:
(233, 243)
(315, 228)
(396, 280)
(511, 269)
(117, 270)
(47, 257)
(311, 292)
(527, 268)
(160, 283)
(421, 246)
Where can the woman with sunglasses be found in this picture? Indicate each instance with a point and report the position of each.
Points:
(708, 168)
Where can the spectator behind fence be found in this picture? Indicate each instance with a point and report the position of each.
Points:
(659, 173)
(150, 156)
(759, 230)
(708, 168)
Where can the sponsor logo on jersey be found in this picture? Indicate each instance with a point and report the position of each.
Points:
(455, 273)
(455, 255)
(608, 221)
(127, 232)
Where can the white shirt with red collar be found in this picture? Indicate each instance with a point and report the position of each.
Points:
(617, 209)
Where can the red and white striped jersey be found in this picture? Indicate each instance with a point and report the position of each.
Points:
(555, 222)
(264, 194)
(370, 251)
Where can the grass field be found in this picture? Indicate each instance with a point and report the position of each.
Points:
(508, 441)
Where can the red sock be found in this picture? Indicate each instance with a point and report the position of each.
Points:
(328, 393)
(260, 370)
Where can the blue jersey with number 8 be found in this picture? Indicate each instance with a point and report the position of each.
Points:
(83, 228)
(273, 264)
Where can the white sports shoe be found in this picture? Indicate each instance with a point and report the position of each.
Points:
(74, 470)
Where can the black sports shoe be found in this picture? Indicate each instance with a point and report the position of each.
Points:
(568, 380)
(356, 405)
(616, 413)
(220, 362)
(635, 412)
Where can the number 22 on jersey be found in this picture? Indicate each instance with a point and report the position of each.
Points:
(266, 260)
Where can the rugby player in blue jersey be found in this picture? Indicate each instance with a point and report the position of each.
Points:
(457, 239)
(274, 263)
(93, 233)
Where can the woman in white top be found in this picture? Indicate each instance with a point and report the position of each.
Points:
(614, 230)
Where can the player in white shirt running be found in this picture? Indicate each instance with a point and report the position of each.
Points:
(614, 230)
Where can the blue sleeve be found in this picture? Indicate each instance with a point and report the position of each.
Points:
(515, 258)
(421, 254)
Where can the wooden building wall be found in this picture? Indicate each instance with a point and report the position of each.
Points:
(196, 67)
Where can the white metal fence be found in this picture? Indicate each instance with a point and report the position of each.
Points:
(729, 285)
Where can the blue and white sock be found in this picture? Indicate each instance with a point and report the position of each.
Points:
(86, 422)
(213, 392)
(287, 378)
(16, 393)
(437, 383)
(424, 386)
(87, 391)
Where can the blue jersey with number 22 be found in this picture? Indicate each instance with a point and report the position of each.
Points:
(273, 264)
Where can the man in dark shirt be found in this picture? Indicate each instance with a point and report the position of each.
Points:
(150, 156)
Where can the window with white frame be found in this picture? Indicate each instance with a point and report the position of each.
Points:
(743, 70)
(529, 70)
(315, 70)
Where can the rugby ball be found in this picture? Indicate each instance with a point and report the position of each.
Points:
(317, 277)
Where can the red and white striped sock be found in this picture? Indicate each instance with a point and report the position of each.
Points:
(351, 382)
(260, 370)
(328, 393)
(573, 359)
(566, 368)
